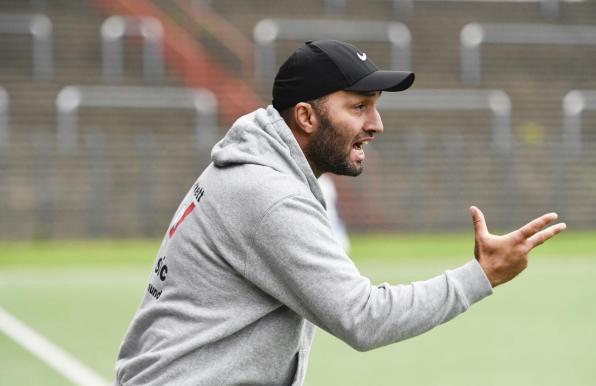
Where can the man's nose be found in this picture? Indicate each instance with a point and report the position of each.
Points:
(374, 122)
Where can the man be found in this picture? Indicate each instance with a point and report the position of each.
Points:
(249, 264)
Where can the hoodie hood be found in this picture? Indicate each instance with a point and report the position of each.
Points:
(263, 138)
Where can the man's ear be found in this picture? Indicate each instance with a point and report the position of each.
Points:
(305, 117)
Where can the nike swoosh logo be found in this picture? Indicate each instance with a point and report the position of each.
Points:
(361, 56)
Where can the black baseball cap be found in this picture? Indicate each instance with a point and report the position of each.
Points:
(322, 67)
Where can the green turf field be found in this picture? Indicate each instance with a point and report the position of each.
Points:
(539, 329)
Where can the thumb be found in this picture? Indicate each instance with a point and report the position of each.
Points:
(479, 222)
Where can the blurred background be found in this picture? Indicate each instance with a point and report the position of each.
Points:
(100, 134)
(109, 109)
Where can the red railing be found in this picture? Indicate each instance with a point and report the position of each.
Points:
(224, 32)
(186, 56)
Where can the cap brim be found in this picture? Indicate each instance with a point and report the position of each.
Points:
(384, 81)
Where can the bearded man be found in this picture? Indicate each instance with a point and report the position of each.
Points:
(249, 264)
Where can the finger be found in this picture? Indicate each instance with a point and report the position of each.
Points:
(546, 234)
(536, 225)
(479, 222)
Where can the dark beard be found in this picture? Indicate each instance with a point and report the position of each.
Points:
(325, 149)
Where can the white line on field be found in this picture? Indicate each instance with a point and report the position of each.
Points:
(48, 352)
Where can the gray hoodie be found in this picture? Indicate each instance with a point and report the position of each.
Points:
(248, 267)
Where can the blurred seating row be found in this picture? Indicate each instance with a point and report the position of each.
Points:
(268, 31)
(204, 103)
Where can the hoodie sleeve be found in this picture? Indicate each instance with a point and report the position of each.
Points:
(296, 259)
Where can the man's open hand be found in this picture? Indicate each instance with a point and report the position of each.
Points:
(504, 257)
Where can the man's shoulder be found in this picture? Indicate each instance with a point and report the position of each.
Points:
(267, 182)
(256, 186)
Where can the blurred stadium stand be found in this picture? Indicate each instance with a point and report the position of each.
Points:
(132, 165)
(113, 31)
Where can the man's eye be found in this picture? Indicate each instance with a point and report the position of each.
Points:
(361, 107)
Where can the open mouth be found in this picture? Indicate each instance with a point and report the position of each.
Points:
(358, 149)
(359, 145)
